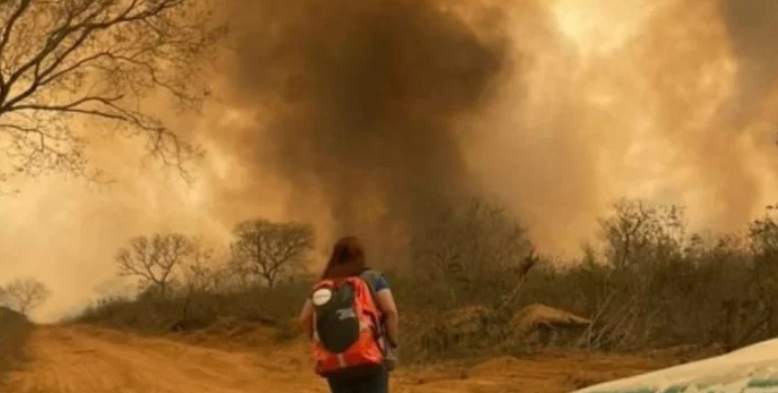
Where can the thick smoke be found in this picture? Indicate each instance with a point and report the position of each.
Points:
(359, 116)
(364, 102)
(752, 29)
(714, 74)
(367, 110)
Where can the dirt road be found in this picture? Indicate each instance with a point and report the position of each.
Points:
(77, 359)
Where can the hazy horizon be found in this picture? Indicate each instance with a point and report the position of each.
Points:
(586, 103)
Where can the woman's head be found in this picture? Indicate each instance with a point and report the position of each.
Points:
(347, 259)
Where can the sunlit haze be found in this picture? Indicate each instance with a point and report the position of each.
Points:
(654, 99)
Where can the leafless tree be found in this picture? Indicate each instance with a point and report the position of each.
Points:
(154, 260)
(270, 250)
(203, 271)
(763, 239)
(24, 295)
(763, 233)
(639, 232)
(477, 249)
(67, 62)
(647, 250)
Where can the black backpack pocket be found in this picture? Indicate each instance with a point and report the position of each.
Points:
(337, 324)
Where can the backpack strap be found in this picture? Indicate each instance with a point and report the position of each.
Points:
(371, 277)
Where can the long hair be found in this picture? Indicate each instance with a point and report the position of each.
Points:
(347, 259)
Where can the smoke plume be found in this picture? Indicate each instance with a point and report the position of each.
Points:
(365, 102)
(752, 28)
(362, 117)
(710, 72)
(373, 113)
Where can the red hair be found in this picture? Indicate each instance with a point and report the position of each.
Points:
(347, 259)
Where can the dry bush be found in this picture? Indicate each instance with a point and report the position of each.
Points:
(185, 286)
(646, 284)
(469, 291)
(23, 295)
(651, 287)
(470, 255)
(469, 265)
(15, 330)
(187, 309)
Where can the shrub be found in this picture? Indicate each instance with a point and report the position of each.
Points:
(15, 331)
(646, 283)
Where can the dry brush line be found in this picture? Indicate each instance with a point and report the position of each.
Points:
(15, 330)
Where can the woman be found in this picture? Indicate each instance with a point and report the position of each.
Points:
(348, 260)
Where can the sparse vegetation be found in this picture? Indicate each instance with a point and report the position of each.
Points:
(17, 299)
(23, 295)
(269, 250)
(183, 286)
(153, 260)
(646, 283)
(15, 330)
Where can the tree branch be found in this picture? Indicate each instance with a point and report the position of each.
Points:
(6, 35)
(270, 248)
(126, 47)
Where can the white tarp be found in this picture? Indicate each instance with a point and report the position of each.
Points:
(753, 369)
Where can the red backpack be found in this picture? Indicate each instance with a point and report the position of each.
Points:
(347, 331)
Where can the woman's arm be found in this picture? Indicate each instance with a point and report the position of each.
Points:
(389, 308)
(306, 319)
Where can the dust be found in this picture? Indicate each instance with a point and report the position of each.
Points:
(363, 117)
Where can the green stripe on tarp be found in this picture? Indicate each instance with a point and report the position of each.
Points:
(769, 382)
(755, 383)
(675, 389)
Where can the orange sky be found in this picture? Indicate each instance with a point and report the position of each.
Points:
(636, 98)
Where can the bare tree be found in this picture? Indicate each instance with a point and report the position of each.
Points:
(69, 61)
(647, 250)
(154, 260)
(763, 239)
(270, 250)
(477, 250)
(639, 232)
(203, 272)
(24, 295)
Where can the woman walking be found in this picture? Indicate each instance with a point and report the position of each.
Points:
(352, 321)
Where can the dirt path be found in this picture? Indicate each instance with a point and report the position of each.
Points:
(88, 360)
(76, 359)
